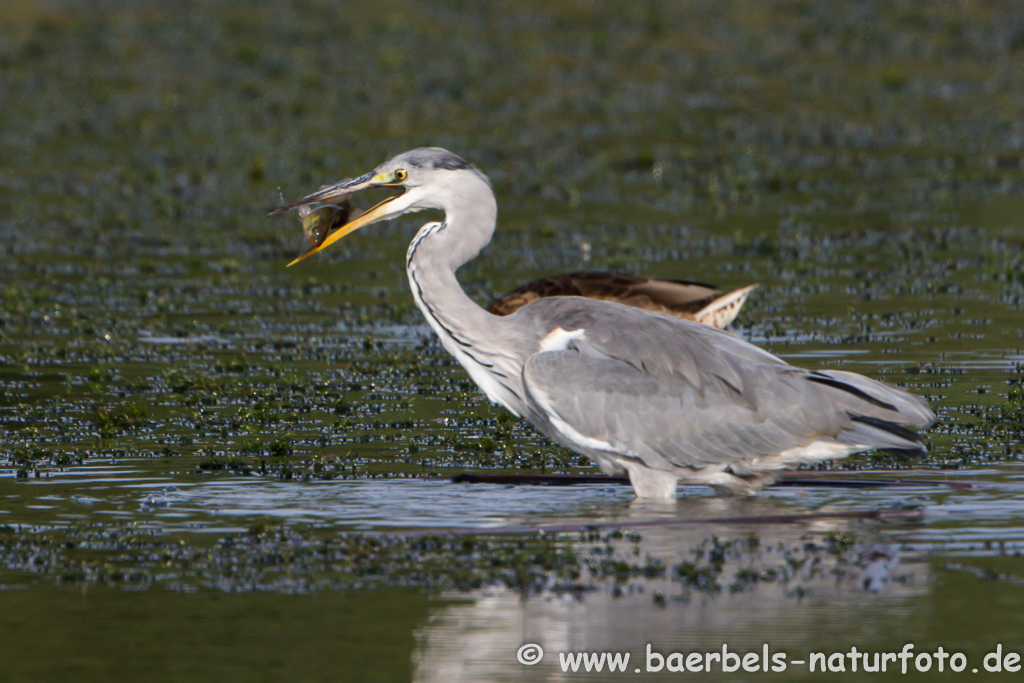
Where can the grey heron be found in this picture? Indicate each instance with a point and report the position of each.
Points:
(661, 399)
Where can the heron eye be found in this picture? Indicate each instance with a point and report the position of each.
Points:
(401, 174)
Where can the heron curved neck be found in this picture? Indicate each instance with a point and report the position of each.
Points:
(481, 342)
(437, 251)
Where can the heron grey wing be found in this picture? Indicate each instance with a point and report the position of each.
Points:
(604, 403)
(658, 344)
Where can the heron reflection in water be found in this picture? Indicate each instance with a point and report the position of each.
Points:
(663, 399)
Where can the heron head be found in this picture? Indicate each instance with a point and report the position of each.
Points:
(427, 178)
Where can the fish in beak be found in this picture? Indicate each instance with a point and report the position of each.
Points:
(315, 221)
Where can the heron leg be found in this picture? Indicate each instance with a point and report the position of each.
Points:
(648, 483)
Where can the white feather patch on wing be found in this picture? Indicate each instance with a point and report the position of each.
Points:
(558, 339)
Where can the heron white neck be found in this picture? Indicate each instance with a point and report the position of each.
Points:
(439, 249)
(466, 330)
(470, 215)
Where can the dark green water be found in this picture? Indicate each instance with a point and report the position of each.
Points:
(204, 456)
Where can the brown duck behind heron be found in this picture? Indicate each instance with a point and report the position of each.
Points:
(682, 298)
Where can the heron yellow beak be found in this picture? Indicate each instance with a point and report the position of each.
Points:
(377, 213)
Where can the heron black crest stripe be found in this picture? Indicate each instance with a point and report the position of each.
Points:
(438, 159)
(452, 163)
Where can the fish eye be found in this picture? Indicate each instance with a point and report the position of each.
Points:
(401, 174)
